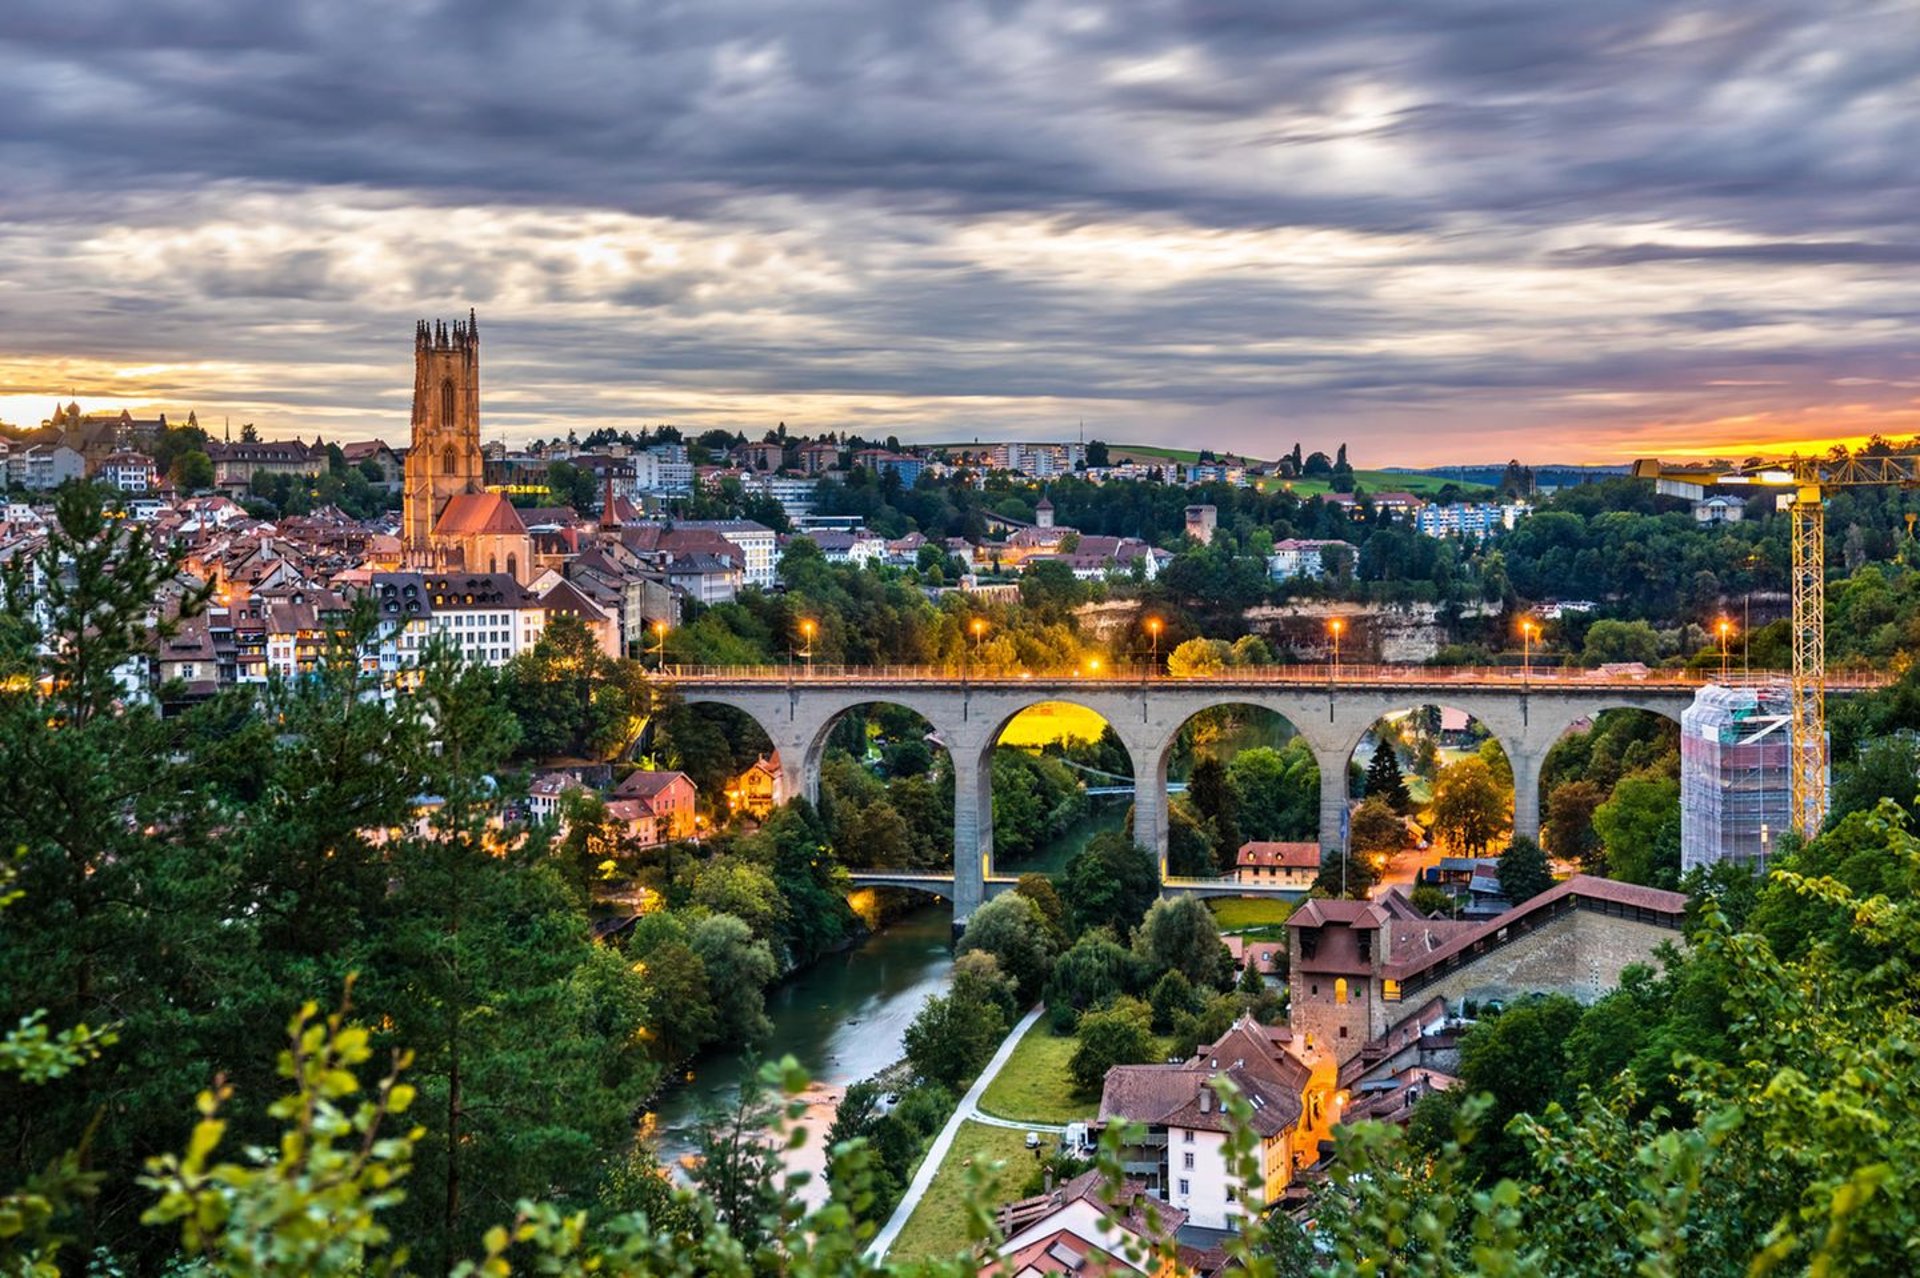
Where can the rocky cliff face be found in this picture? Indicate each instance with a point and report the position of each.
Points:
(1390, 633)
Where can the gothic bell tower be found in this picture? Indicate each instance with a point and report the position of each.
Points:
(443, 460)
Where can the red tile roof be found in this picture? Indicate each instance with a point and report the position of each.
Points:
(475, 514)
(1289, 856)
(1593, 888)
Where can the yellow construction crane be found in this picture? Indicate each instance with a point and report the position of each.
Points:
(1805, 481)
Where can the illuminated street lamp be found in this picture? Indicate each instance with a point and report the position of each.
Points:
(1093, 665)
(1726, 630)
(1526, 649)
(1336, 626)
(807, 628)
(1153, 630)
(979, 629)
(659, 645)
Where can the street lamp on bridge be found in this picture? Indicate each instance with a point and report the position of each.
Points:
(1336, 626)
(1153, 633)
(1726, 630)
(659, 645)
(807, 628)
(1527, 628)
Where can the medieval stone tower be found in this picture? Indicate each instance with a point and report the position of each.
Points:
(444, 459)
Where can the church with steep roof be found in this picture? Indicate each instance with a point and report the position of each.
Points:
(448, 519)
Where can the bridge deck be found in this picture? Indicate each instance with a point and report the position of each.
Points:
(1345, 675)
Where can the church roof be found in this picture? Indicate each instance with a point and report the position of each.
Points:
(474, 514)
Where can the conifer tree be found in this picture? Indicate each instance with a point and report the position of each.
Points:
(1385, 780)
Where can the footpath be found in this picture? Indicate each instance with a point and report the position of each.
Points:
(967, 1110)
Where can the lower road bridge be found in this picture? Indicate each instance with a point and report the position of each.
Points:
(1332, 709)
(994, 884)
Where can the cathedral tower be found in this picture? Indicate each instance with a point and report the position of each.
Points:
(444, 459)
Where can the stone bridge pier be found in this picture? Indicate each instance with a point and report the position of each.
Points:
(967, 718)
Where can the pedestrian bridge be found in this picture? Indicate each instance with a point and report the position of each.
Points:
(942, 885)
(1331, 707)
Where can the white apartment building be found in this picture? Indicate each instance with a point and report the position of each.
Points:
(129, 472)
(758, 545)
(663, 470)
(1304, 557)
(489, 618)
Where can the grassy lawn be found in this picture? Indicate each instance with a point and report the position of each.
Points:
(938, 1226)
(1239, 914)
(1374, 481)
(1034, 1086)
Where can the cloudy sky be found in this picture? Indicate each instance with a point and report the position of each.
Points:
(1442, 230)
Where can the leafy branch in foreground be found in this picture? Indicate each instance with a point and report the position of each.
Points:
(33, 1051)
(312, 1206)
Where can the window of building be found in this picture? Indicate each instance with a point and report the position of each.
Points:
(1343, 1031)
(446, 408)
(1186, 1161)
(1187, 1136)
(1340, 990)
(1184, 1191)
(1390, 991)
(446, 460)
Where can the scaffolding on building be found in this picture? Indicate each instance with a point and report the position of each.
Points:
(1736, 779)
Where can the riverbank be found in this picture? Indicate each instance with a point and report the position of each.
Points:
(843, 1018)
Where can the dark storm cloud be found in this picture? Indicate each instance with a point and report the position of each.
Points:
(1334, 205)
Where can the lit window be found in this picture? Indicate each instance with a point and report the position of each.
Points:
(1340, 990)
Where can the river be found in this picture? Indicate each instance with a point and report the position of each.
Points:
(843, 1019)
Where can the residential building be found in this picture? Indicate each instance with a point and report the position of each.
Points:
(1270, 864)
(387, 462)
(758, 790)
(878, 461)
(129, 472)
(44, 466)
(1086, 1227)
(489, 618)
(1719, 510)
(235, 464)
(1470, 519)
(667, 797)
(818, 458)
(1306, 557)
(1182, 1152)
(759, 546)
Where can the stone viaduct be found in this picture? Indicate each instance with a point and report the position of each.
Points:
(1526, 715)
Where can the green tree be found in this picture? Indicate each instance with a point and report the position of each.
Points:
(1385, 780)
(739, 968)
(1276, 792)
(1092, 973)
(572, 699)
(952, 1037)
(1524, 872)
(1013, 930)
(1110, 883)
(1639, 829)
(1609, 640)
(1376, 828)
(1569, 827)
(1213, 798)
(192, 471)
(1118, 1035)
(1180, 935)
(1198, 659)
(1172, 997)
(1348, 876)
(1517, 1058)
(1469, 807)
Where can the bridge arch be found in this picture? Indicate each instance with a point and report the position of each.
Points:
(1224, 730)
(1084, 747)
(1601, 750)
(902, 761)
(1423, 740)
